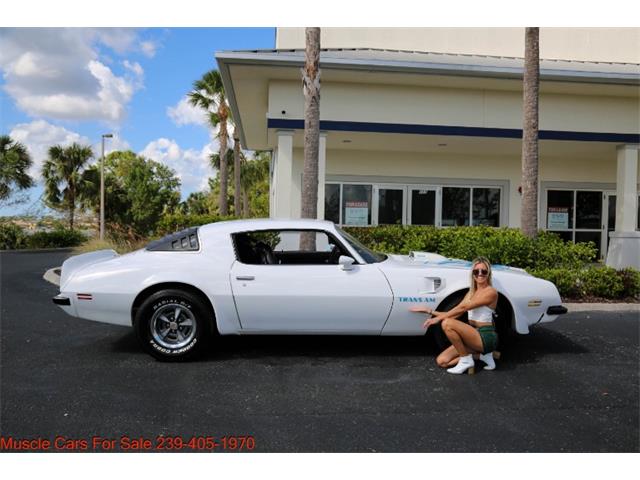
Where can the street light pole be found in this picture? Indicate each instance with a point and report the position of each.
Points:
(106, 135)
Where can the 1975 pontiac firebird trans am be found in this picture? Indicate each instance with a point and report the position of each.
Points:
(272, 276)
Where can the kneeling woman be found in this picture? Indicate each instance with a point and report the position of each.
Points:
(479, 336)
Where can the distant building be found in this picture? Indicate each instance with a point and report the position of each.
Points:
(423, 126)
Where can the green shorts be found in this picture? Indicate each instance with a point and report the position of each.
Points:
(489, 338)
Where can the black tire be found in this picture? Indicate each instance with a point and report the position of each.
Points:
(437, 334)
(504, 323)
(173, 325)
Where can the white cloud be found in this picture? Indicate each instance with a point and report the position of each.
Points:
(183, 113)
(120, 40)
(148, 48)
(38, 136)
(192, 166)
(135, 68)
(63, 74)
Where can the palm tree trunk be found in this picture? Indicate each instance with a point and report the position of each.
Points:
(224, 174)
(236, 175)
(311, 88)
(245, 204)
(531, 83)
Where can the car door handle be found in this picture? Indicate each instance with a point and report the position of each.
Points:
(245, 277)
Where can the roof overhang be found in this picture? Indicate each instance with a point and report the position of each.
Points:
(383, 63)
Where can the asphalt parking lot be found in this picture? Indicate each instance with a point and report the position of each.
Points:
(571, 386)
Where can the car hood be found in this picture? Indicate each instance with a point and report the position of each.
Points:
(427, 259)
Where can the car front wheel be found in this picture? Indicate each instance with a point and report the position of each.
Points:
(173, 325)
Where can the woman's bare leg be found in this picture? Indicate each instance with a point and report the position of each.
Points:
(462, 336)
(448, 357)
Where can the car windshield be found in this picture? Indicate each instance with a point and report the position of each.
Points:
(366, 254)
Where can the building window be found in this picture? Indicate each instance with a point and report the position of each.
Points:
(456, 204)
(423, 206)
(470, 206)
(390, 206)
(356, 204)
(332, 202)
(397, 204)
(577, 215)
(589, 210)
(486, 207)
(559, 209)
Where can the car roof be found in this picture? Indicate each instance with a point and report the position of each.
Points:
(233, 226)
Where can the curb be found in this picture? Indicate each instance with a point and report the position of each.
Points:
(53, 276)
(38, 250)
(602, 307)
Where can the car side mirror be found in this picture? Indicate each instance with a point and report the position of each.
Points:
(346, 263)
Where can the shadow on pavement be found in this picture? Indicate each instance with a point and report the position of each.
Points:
(523, 349)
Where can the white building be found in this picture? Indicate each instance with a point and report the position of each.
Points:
(423, 126)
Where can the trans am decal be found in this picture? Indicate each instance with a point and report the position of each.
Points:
(417, 299)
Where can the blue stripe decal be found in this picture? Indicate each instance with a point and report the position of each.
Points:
(344, 126)
(467, 264)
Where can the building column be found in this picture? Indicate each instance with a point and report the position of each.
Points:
(283, 175)
(322, 173)
(624, 244)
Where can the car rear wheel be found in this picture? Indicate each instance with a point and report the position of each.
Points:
(173, 325)
(502, 322)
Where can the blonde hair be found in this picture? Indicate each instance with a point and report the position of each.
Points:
(476, 261)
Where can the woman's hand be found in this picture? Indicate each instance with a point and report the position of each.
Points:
(426, 310)
(432, 321)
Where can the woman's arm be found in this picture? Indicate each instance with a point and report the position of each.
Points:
(485, 297)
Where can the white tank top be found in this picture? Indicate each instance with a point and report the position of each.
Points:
(481, 314)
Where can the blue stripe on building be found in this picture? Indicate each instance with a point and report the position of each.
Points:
(370, 127)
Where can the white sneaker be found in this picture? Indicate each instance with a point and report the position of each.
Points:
(488, 359)
(465, 364)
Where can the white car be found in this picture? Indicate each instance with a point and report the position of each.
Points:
(270, 276)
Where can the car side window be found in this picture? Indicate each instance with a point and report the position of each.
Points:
(288, 247)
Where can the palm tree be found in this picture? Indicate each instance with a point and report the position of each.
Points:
(531, 84)
(236, 173)
(63, 176)
(214, 159)
(208, 94)
(15, 162)
(311, 90)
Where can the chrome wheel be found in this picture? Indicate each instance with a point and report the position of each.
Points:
(173, 326)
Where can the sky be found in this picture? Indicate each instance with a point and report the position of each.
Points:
(64, 85)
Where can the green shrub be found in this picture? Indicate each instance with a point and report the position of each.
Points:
(601, 282)
(174, 222)
(550, 251)
(59, 238)
(630, 278)
(400, 239)
(12, 236)
(506, 246)
(593, 281)
(567, 282)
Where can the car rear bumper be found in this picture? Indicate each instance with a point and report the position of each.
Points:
(556, 310)
(62, 300)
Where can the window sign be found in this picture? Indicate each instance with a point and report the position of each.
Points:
(356, 204)
(356, 213)
(557, 218)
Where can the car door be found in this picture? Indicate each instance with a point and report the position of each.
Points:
(310, 297)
